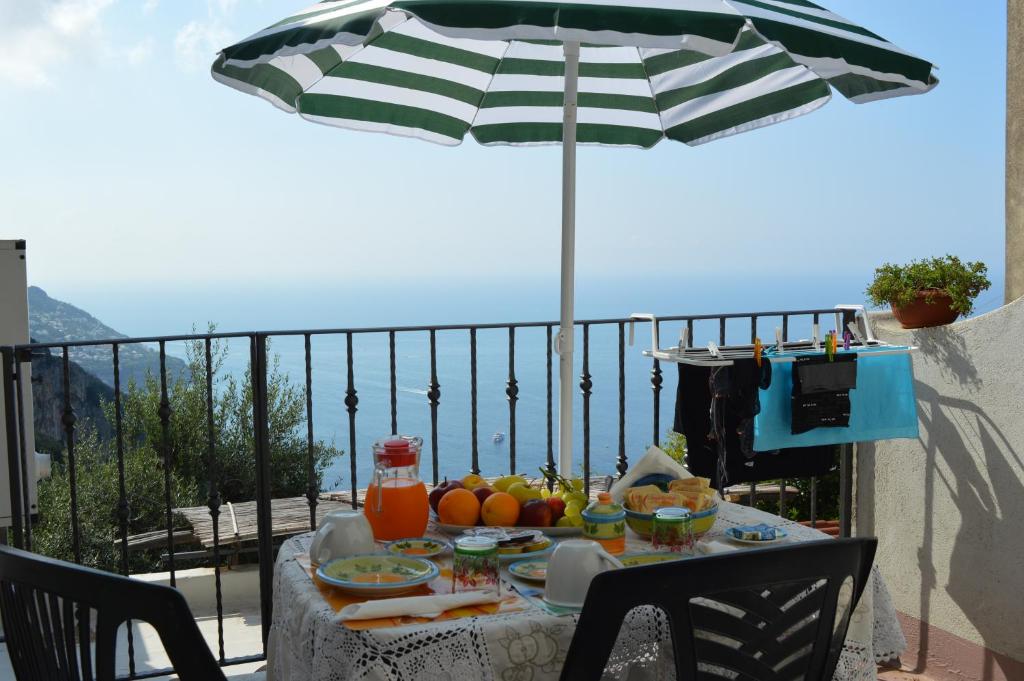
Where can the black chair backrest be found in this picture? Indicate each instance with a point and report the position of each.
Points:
(47, 607)
(759, 615)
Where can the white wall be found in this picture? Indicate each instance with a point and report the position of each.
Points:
(948, 509)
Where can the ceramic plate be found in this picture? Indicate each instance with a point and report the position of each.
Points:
(420, 547)
(377, 574)
(509, 557)
(780, 534)
(635, 559)
(530, 570)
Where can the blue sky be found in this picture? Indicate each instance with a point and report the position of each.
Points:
(125, 163)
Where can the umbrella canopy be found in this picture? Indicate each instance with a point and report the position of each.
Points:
(607, 72)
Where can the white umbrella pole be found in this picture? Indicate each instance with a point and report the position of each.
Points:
(564, 342)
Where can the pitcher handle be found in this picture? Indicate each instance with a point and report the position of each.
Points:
(378, 479)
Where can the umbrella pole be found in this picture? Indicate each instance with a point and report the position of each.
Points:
(564, 342)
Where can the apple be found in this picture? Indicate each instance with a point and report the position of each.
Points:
(557, 508)
(535, 513)
(482, 493)
(434, 498)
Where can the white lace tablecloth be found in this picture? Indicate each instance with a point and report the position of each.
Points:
(308, 643)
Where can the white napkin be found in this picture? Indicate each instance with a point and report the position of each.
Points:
(653, 461)
(414, 606)
(713, 546)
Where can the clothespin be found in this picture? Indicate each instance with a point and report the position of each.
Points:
(856, 332)
(778, 339)
(830, 345)
(815, 337)
(846, 339)
(713, 349)
(758, 348)
(684, 336)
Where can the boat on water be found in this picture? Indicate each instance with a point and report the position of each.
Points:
(498, 437)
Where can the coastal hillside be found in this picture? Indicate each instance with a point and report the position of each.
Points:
(52, 321)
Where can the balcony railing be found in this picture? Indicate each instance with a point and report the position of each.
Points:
(724, 329)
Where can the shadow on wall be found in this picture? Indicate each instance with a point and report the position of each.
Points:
(959, 438)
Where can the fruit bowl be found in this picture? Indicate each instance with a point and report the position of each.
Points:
(701, 521)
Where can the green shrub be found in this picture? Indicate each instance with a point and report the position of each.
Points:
(233, 472)
(898, 285)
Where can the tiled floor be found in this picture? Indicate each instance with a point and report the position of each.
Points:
(900, 675)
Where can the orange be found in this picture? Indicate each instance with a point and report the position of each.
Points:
(459, 507)
(500, 508)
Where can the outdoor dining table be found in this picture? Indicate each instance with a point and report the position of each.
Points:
(308, 642)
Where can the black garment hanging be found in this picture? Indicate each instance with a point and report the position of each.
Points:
(738, 384)
(821, 391)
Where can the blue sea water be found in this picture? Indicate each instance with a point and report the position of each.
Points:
(153, 311)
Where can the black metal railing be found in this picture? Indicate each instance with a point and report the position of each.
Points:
(14, 359)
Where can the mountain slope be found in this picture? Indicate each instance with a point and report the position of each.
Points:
(53, 321)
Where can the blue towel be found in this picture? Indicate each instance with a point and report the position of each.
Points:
(882, 406)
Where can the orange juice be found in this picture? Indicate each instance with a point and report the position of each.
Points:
(404, 510)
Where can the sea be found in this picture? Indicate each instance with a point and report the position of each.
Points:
(164, 310)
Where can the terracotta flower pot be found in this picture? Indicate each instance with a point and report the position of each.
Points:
(922, 314)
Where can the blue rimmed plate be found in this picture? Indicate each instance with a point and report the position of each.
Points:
(377, 574)
(418, 547)
(531, 570)
(734, 533)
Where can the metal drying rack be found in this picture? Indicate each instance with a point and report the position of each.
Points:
(713, 355)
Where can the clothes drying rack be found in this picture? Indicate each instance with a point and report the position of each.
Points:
(713, 355)
(718, 357)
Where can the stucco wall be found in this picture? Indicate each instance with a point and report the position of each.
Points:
(1014, 149)
(948, 509)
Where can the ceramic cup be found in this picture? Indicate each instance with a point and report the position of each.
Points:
(342, 533)
(571, 567)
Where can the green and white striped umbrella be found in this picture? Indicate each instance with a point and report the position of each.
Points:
(688, 70)
(607, 72)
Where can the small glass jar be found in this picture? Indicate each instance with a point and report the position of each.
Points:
(475, 565)
(672, 530)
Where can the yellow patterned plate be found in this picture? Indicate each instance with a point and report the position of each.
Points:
(377, 574)
(636, 559)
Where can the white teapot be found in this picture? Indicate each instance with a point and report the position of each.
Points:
(342, 533)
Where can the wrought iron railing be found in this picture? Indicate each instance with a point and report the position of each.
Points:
(20, 533)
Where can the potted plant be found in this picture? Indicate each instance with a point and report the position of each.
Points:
(929, 292)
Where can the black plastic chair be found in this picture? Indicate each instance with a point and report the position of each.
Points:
(47, 605)
(759, 615)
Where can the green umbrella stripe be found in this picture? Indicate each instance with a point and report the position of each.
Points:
(737, 76)
(421, 100)
(594, 100)
(413, 81)
(806, 46)
(753, 113)
(651, 20)
(279, 84)
(823, 17)
(436, 50)
(724, 106)
(336, 110)
(551, 133)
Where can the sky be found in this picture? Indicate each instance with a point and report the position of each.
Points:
(127, 168)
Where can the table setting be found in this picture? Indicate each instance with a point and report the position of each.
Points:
(470, 595)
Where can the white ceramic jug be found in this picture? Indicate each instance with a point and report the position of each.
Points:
(571, 567)
(342, 533)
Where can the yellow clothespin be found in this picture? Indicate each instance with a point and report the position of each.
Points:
(757, 350)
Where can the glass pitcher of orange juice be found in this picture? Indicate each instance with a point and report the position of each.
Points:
(396, 500)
